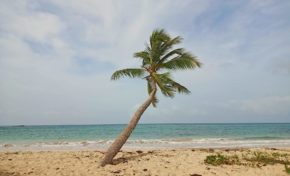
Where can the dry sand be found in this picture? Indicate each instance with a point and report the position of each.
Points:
(177, 162)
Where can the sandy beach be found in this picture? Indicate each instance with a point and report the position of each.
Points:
(177, 162)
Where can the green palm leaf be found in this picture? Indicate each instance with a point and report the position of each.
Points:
(168, 86)
(159, 43)
(167, 45)
(144, 55)
(179, 88)
(161, 80)
(177, 51)
(158, 36)
(185, 61)
(130, 72)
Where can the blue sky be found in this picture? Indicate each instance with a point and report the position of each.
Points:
(56, 59)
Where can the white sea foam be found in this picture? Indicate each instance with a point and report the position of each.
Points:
(147, 143)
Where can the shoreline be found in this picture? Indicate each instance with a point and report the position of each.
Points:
(133, 148)
(177, 162)
(142, 144)
(128, 149)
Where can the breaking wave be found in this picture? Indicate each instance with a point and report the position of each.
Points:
(150, 143)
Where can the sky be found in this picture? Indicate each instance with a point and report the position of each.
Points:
(57, 57)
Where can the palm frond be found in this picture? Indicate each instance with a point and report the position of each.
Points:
(142, 55)
(158, 44)
(167, 84)
(168, 44)
(180, 88)
(145, 56)
(166, 89)
(130, 72)
(178, 51)
(157, 36)
(174, 41)
(185, 61)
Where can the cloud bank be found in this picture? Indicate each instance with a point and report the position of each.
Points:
(56, 59)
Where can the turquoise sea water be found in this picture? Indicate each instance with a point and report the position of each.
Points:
(147, 135)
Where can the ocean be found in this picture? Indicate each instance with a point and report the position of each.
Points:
(86, 137)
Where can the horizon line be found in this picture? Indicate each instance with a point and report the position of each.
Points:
(160, 123)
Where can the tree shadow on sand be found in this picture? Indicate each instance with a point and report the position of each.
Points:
(132, 156)
(138, 155)
(7, 173)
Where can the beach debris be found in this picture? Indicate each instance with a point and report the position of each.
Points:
(7, 145)
(145, 170)
(116, 172)
(139, 151)
(211, 150)
(195, 175)
(84, 143)
(30, 172)
(120, 160)
(100, 152)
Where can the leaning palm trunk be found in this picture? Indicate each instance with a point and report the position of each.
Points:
(121, 140)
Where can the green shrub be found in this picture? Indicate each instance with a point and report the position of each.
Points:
(254, 159)
(287, 169)
(266, 158)
(219, 159)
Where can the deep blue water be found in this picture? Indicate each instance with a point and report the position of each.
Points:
(190, 133)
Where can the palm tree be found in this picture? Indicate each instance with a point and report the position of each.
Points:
(157, 57)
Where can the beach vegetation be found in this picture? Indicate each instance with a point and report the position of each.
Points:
(251, 158)
(287, 169)
(264, 158)
(158, 60)
(219, 159)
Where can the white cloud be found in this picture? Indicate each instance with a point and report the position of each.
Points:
(277, 105)
(280, 66)
(46, 47)
(21, 22)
